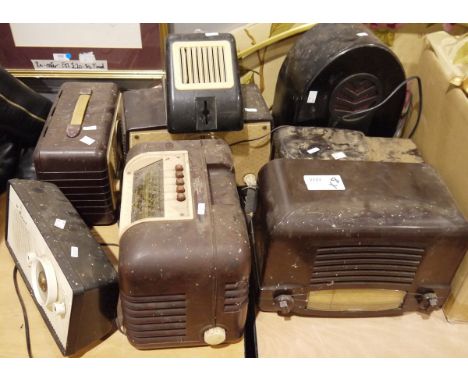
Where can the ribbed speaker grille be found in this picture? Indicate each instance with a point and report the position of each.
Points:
(203, 64)
(366, 264)
(155, 318)
(357, 92)
(235, 296)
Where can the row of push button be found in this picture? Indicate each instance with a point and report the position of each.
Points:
(180, 189)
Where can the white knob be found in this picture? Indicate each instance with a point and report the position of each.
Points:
(214, 336)
(59, 308)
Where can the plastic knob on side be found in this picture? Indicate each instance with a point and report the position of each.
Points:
(59, 308)
(214, 336)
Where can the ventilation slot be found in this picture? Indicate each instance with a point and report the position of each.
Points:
(372, 264)
(235, 296)
(155, 318)
(203, 64)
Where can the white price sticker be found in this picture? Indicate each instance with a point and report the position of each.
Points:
(313, 150)
(74, 251)
(201, 209)
(251, 109)
(324, 183)
(361, 34)
(59, 223)
(88, 140)
(211, 34)
(312, 96)
(339, 155)
(88, 128)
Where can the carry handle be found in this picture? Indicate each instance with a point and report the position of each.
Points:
(74, 128)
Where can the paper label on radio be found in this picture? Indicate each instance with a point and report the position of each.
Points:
(211, 34)
(324, 183)
(339, 155)
(68, 65)
(250, 109)
(313, 150)
(74, 251)
(59, 223)
(312, 96)
(361, 34)
(88, 128)
(201, 209)
(87, 140)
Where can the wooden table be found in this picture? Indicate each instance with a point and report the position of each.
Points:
(410, 335)
(12, 336)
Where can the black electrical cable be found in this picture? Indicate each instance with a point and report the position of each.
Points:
(261, 137)
(25, 314)
(346, 117)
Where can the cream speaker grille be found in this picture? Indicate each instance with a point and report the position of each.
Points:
(202, 65)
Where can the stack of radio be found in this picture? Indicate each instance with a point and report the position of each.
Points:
(79, 149)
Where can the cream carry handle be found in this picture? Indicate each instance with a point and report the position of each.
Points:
(74, 128)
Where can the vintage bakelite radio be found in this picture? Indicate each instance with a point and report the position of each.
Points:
(184, 259)
(334, 70)
(73, 283)
(144, 120)
(326, 143)
(203, 84)
(355, 238)
(80, 149)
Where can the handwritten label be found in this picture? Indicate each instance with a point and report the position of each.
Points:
(88, 140)
(339, 155)
(59, 223)
(324, 183)
(74, 251)
(313, 150)
(69, 65)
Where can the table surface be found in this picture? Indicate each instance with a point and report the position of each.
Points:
(12, 336)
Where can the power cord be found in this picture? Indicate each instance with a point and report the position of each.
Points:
(347, 117)
(260, 137)
(25, 314)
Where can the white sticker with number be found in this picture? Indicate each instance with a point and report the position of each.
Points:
(324, 183)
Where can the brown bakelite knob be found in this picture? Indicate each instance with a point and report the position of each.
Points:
(180, 197)
(179, 174)
(180, 182)
(180, 189)
(179, 167)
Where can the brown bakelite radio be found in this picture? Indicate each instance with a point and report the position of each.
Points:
(184, 260)
(80, 150)
(354, 238)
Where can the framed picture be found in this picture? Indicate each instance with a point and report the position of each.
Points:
(83, 50)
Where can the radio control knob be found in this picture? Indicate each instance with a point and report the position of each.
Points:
(59, 308)
(285, 303)
(179, 167)
(180, 197)
(180, 189)
(179, 174)
(179, 182)
(214, 336)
